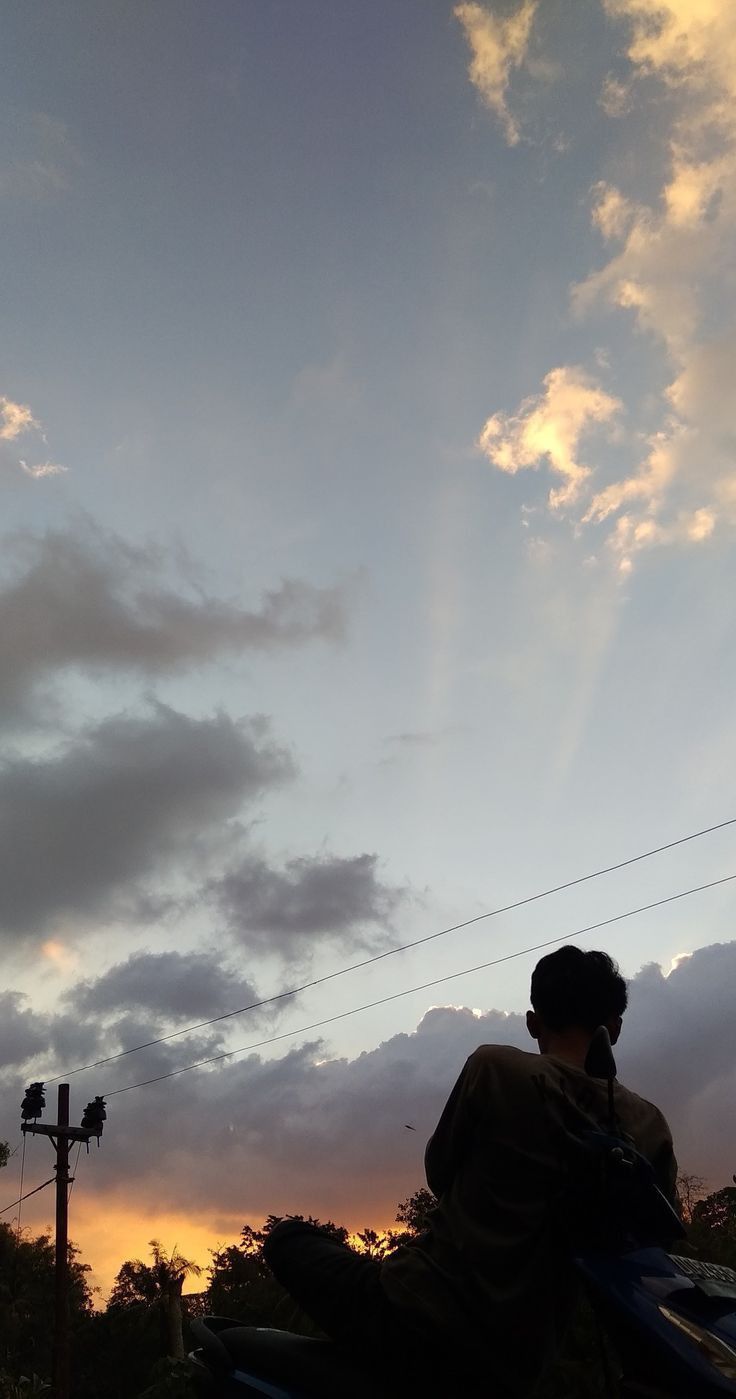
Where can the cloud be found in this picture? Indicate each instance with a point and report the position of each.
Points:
(670, 269)
(28, 1035)
(171, 986)
(612, 213)
(688, 43)
(312, 1132)
(551, 425)
(42, 469)
(22, 1033)
(326, 897)
(650, 485)
(673, 253)
(615, 98)
(667, 249)
(678, 1050)
(686, 483)
(701, 393)
(498, 45)
(95, 829)
(86, 599)
(15, 419)
(630, 534)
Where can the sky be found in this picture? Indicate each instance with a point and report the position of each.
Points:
(368, 503)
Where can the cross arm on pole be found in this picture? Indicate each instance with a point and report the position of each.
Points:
(72, 1134)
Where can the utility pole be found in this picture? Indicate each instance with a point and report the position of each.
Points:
(61, 1268)
(61, 1136)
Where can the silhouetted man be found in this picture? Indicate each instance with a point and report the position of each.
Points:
(486, 1291)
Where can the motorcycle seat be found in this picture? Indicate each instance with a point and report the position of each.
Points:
(313, 1367)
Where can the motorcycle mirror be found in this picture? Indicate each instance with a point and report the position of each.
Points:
(599, 1061)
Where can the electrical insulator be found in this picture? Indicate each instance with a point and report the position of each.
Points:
(34, 1102)
(94, 1115)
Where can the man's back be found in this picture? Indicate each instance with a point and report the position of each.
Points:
(490, 1272)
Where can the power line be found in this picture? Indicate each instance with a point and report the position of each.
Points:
(392, 951)
(28, 1194)
(425, 986)
(74, 1175)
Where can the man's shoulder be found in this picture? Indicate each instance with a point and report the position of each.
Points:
(504, 1058)
(642, 1107)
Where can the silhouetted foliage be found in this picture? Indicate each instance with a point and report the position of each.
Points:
(712, 1229)
(27, 1302)
(241, 1285)
(117, 1353)
(171, 1380)
(690, 1189)
(413, 1213)
(335, 1231)
(159, 1285)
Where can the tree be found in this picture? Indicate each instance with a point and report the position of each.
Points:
(690, 1189)
(376, 1244)
(157, 1285)
(135, 1285)
(335, 1231)
(4, 1154)
(27, 1301)
(712, 1231)
(241, 1284)
(414, 1212)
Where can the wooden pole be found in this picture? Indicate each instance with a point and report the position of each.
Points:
(61, 1298)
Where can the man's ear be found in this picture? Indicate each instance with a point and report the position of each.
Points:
(614, 1028)
(532, 1024)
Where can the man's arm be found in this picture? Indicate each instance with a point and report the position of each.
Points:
(448, 1144)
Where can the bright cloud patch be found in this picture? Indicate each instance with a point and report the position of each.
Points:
(670, 271)
(550, 427)
(41, 469)
(685, 41)
(498, 45)
(15, 418)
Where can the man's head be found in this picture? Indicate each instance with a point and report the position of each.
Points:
(573, 992)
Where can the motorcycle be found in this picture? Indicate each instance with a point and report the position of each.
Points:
(672, 1319)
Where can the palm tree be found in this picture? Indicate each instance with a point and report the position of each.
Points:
(170, 1273)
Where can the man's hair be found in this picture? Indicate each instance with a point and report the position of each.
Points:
(575, 988)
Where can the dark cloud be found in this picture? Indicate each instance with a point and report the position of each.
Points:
(338, 898)
(47, 1045)
(172, 985)
(310, 1132)
(314, 1133)
(28, 1036)
(22, 1033)
(679, 1049)
(85, 599)
(90, 829)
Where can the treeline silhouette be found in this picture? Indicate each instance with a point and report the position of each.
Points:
(135, 1346)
